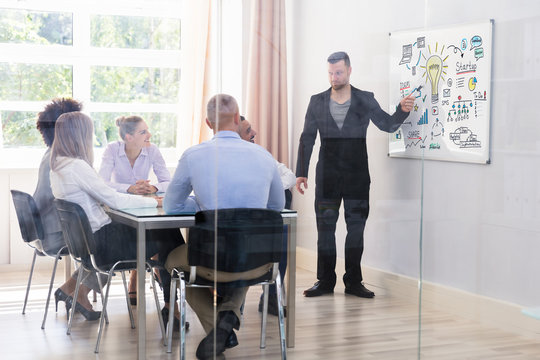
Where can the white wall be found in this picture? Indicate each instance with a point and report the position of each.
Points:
(481, 228)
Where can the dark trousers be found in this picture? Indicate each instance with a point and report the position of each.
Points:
(283, 260)
(327, 212)
(117, 241)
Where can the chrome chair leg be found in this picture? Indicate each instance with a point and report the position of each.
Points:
(183, 311)
(50, 287)
(104, 309)
(281, 318)
(130, 311)
(264, 316)
(170, 322)
(74, 302)
(29, 282)
(160, 318)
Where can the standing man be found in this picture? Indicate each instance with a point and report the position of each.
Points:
(341, 115)
(225, 172)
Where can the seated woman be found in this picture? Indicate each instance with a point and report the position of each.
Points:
(74, 179)
(43, 194)
(125, 167)
(126, 164)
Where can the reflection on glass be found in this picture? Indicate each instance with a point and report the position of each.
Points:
(19, 129)
(34, 82)
(36, 27)
(134, 84)
(161, 125)
(135, 32)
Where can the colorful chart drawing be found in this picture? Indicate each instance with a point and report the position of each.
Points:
(423, 119)
(460, 110)
(472, 83)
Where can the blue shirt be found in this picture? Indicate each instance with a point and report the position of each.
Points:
(225, 172)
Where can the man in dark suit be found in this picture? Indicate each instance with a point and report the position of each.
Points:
(341, 115)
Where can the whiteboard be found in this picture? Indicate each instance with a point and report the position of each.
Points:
(451, 116)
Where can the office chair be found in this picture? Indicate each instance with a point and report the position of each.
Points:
(246, 239)
(33, 235)
(82, 247)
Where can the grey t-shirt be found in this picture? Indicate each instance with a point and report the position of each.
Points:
(339, 111)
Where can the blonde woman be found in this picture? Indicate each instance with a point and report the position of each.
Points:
(74, 179)
(126, 164)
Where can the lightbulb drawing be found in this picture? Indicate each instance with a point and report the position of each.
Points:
(434, 67)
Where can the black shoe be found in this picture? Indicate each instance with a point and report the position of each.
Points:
(59, 295)
(89, 315)
(358, 289)
(176, 322)
(318, 289)
(232, 341)
(133, 299)
(272, 306)
(227, 321)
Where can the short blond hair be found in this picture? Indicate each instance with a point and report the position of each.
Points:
(73, 138)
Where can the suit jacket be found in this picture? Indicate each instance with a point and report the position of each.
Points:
(342, 169)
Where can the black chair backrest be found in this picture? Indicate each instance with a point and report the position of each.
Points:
(28, 216)
(76, 229)
(246, 239)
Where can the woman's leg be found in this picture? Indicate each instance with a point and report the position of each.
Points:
(163, 241)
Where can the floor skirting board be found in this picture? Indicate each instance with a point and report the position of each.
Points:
(482, 309)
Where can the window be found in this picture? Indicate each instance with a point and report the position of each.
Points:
(35, 27)
(118, 58)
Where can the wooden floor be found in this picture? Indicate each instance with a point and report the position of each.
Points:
(329, 327)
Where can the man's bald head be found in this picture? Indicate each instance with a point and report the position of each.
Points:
(221, 111)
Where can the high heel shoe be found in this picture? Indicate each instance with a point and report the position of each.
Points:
(59, 295)
(89, 315)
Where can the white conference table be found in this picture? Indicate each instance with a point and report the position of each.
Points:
(143, 219)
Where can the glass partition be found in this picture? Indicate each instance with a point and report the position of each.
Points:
(449, 242)
(480, 220)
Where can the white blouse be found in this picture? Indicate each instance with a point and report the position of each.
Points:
(76, 181)
(119, 174)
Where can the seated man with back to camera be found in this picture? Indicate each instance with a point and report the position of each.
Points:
(251, 172)
(288, 179)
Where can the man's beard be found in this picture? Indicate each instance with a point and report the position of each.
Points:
(338, 86)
